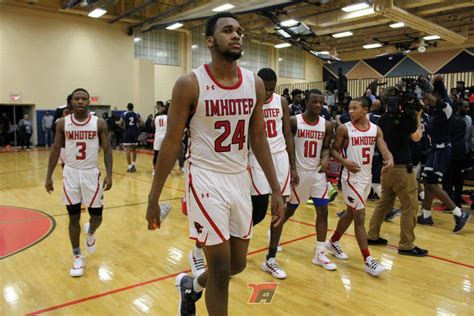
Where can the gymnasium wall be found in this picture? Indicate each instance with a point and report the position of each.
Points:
(44, 56)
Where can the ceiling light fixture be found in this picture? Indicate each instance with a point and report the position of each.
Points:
(342, 34)
(355, 7)
(284, 33)
(282, 45)
(137, 39)
(397, 25)
(174, 26)
(289, 23)
(431, 37)
(372, 45)
(224, 7)
(359, 13)
(97, 13)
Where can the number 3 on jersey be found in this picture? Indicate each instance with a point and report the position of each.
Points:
(238, 138)
(81, 151)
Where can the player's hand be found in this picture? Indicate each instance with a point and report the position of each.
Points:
(49, 185)
(429, 98)
(107, 183)
(351, 166)
(324, 166)
(278, 209)
(387, 166)
(295, 178)
(153, 215)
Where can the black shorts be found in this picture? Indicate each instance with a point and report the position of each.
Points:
(437, 164)
(130, 138)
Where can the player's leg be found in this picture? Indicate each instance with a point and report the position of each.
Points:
(259, 190)
(92, 197)
(78, 262)
(259, 207)
(196, 260)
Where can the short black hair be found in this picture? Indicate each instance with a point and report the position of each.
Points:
(211, 22)
(309, 92)
(363, 101)
(295, 92)
(80, 89)
(267, 74)
(130, 106)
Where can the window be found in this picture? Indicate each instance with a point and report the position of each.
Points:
(199, 51)
(161, 46)
(255, 56)
(291, 62)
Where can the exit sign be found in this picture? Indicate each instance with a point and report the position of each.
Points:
(95, 99)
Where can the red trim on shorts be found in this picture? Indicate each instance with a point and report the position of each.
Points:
(360, 130)
(250, 229)
(309, 123)
(65, 193)
(296, 195)
(353, 189)
(253, 183)
(80, 124)
(286, 182)
(325, 191)
(96, 191)
(203, 210)
(235, 86)
(269, 100)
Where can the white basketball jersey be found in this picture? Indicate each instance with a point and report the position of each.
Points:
(360, 149)
(309, 142)
(273, 119)
(81, 142)
(218, 129)
(161, 121)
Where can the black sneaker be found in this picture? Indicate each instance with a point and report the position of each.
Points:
(425, 221)
(415, 252)
(378, 241)
(392, 214)
(461, 221)
(187, 296)
(133, 169)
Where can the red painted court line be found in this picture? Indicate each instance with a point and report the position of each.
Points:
(92, 297)
(395, 247)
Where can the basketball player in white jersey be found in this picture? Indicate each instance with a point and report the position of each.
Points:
(81, 134)
(276, 115)
(357, 139)
(313, 135)
(222, 104)
(161, 122)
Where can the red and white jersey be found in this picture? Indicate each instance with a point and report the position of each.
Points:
(309, 143)
(360, 149)
(81, 142)
(161, 121)
(218, 129)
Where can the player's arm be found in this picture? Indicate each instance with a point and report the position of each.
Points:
(325, 151)
(54, 155)
(261, 150)
(383, 149)
(341, 136)
(121, 123)
(418, 134)
(185, 94)
(104, 143)
(290, 141)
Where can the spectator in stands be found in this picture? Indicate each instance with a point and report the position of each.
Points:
(286, 95)
(341, 85)
(297, 106)
(374, 85)
(47, 126)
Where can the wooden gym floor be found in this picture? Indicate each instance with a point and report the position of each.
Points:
(133, 270)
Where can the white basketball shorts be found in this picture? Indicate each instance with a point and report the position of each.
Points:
(260, 183)
(312, 185)
(355, 192)
(82, 186)
(219, 205)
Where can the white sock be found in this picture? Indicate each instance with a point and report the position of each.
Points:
(196, 286)
(133, 163)
(320, 246)
(129, 166)
(457, 211)
(426, 213)
(197, 252)
(422, 195)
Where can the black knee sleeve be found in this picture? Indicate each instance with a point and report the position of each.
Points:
(155, 156)
(74, 209)
(95, 211)
(260, 206)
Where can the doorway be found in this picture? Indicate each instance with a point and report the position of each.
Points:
(15, 113)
